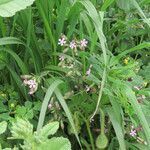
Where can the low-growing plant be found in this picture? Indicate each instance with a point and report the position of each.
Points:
(78, 63)
(23, 130)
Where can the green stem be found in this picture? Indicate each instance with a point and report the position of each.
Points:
(102, 121)
(89, 131)
(90, 135)
(3, 27)
(100, 93)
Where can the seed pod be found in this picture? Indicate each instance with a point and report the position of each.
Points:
(101, 141)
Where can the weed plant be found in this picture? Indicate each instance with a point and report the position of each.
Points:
(78, 67)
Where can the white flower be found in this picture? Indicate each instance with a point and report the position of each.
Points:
(73, 44)
(62, 41)
(83, 43)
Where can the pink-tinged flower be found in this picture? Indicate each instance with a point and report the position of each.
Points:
(133, 133)
(73, 44)
(32, 84)
(83, 43)
(88, 72)
(62, 41)
(61, 58)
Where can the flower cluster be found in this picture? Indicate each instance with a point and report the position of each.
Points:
(82, 44)
(31, 83)
(70, 65)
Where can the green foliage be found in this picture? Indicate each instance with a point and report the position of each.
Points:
(3, 126)
(80, 64)
(22, 129)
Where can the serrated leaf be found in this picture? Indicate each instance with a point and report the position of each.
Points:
(3, 126)
(22, 129)
(49, 129)
(8, 8)
(59, 143)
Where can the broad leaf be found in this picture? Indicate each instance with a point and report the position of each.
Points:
(8, 8)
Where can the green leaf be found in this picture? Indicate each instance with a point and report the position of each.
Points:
(67, 111)
(22, 129)
(3, 126)
(20, 63)
(45, 102)
(98, 19)
(8, 8)
(141, 46)
(9, 40)
(13, 40)
(117, 127)
(49, 129)
(140, 11)
(106, 4)
(61, 17)
(59, 143)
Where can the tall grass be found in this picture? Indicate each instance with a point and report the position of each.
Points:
(30, 38)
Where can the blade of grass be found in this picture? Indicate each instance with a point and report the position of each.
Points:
(136, 106)
(9, 40)
(98, 24)
(61, 17)
(13, 40)
(47, 97)
(18, 81)
(141, 13)
(68, 113)
(117, 127)
(3, 27)
(106, 4)
(20, 63)
(47, 25)
(124, 53)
